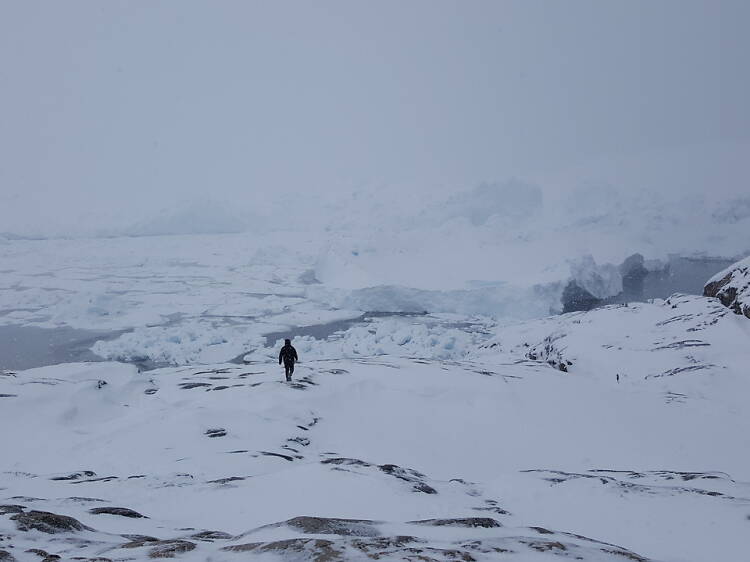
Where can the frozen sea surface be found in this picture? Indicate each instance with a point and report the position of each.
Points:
(178, 300)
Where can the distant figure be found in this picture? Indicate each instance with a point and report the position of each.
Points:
(618, 377)
(288, 355)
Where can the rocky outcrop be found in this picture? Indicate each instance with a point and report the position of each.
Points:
(302, 549)
(732, 287)
(121, 511)
(416, 479)
(333, 526)
(47, 522)
(170, 549)
(158, 548)
(549, 352)
(465, 539)
(467, 522)
(44, 555)
(75, 475)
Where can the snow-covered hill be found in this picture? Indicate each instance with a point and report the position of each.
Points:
(732, 287)
(529, 448)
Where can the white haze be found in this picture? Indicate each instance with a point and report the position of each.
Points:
(127, 117)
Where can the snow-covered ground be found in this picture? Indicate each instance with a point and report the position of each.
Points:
(527, 448)
(439, 411)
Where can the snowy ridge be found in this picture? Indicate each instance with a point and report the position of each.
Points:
(732, 287)
(397, 458)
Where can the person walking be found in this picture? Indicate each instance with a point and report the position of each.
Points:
(288, 355)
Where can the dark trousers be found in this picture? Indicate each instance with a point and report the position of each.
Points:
(289, 369)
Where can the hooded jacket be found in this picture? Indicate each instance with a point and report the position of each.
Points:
(288, 354)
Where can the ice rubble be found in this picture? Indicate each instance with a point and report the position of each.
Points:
(503, 250)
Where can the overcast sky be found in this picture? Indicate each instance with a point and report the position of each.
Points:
(135, 105)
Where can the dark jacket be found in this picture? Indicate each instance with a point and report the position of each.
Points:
(288, 354)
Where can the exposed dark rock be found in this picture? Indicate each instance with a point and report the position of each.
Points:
(190, 385)
(169, 549)
(317, 550)
(79, 499)
(213, 372)
(625, 553)
(345, 461)
(76, 475)
(408, 475)
(548, 352)
(47, 522)
(375, 548)
(559, 477)
(216, 432)
(138, 541)
(210, 536)
(410, 548)
(545, 546)
(6, 556)
(5, 509)
(47, 557)
(416, 479)
(121, 511)
(333, 526)
(542, 531)
(492, 507)
(8, 395)
(470, 522)
(227, 480)
(102, 479)
(732, 287)
(381, 543)
(668, 474)
(285, 457)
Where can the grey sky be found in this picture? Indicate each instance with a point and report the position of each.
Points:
(138, 104)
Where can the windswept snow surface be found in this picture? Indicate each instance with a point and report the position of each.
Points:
(528, 448)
